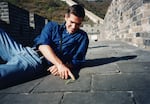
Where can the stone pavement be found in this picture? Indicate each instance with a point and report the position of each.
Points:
(115, 73)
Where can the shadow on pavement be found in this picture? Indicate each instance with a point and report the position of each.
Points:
(102, 61)
(97, 46)
(20, 79)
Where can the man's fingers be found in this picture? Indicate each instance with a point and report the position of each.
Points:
(53, 69)
(72, 76)
(64, 75)
(49, 69)
(55, 73)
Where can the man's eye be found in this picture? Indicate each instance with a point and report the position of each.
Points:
(78, 24)
(72, 22)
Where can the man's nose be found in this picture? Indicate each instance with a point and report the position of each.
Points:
(74, 26)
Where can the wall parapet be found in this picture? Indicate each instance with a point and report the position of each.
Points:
(17, 22)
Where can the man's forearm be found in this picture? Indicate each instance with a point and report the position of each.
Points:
(50, 55)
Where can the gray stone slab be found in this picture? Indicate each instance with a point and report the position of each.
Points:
(2, 96)
(134, 67)
(123, 52)
(143, 56)
(124, 46)
(22, 88)
(55, 84)
(99, 52)
(97, 98)
(121, 82)
(96, 56)
(42, 98)
(142, 97)
(116, 50)
(100, 69)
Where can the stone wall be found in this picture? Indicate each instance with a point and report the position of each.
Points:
(129, 21)
(93, 30)
(16, 21)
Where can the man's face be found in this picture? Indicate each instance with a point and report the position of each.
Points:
(72, 23)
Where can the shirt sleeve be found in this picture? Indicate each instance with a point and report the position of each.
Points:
(79, 57)
(44, 37)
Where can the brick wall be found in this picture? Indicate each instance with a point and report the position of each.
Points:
(129, 21)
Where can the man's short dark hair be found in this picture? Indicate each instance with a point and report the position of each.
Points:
(77, 10)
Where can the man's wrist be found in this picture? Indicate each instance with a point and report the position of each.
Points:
(70, 66)
(59, 65)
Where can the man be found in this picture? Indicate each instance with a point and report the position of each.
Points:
(63, 46)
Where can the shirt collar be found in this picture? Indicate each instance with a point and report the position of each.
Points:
(64, 28)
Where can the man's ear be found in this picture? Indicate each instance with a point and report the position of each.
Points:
(66, 16)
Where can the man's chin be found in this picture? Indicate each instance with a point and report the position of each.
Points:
(72, 32)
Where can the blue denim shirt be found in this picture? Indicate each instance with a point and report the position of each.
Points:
(73, 47)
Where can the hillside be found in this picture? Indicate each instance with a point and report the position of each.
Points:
(51, 9)
(55, 9)
(98, 7)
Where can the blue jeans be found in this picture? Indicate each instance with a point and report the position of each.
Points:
(21, 62)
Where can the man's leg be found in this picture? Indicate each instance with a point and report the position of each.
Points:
(21, 62)
(8, 47)
(16, 71)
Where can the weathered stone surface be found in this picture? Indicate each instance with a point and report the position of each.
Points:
(22, 88)
(105, 79)
(55, 84)
(100, 67)
(142, 97)
(134, 67)
(98, 98)
(121, 82)
(44, 98)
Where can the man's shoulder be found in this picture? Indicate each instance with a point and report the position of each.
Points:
(52, 23)
(82, 32)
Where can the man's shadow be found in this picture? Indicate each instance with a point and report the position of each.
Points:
(102, 61)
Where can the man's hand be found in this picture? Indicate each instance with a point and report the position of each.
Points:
(54, 71)
(62, 71)
(59, 67)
